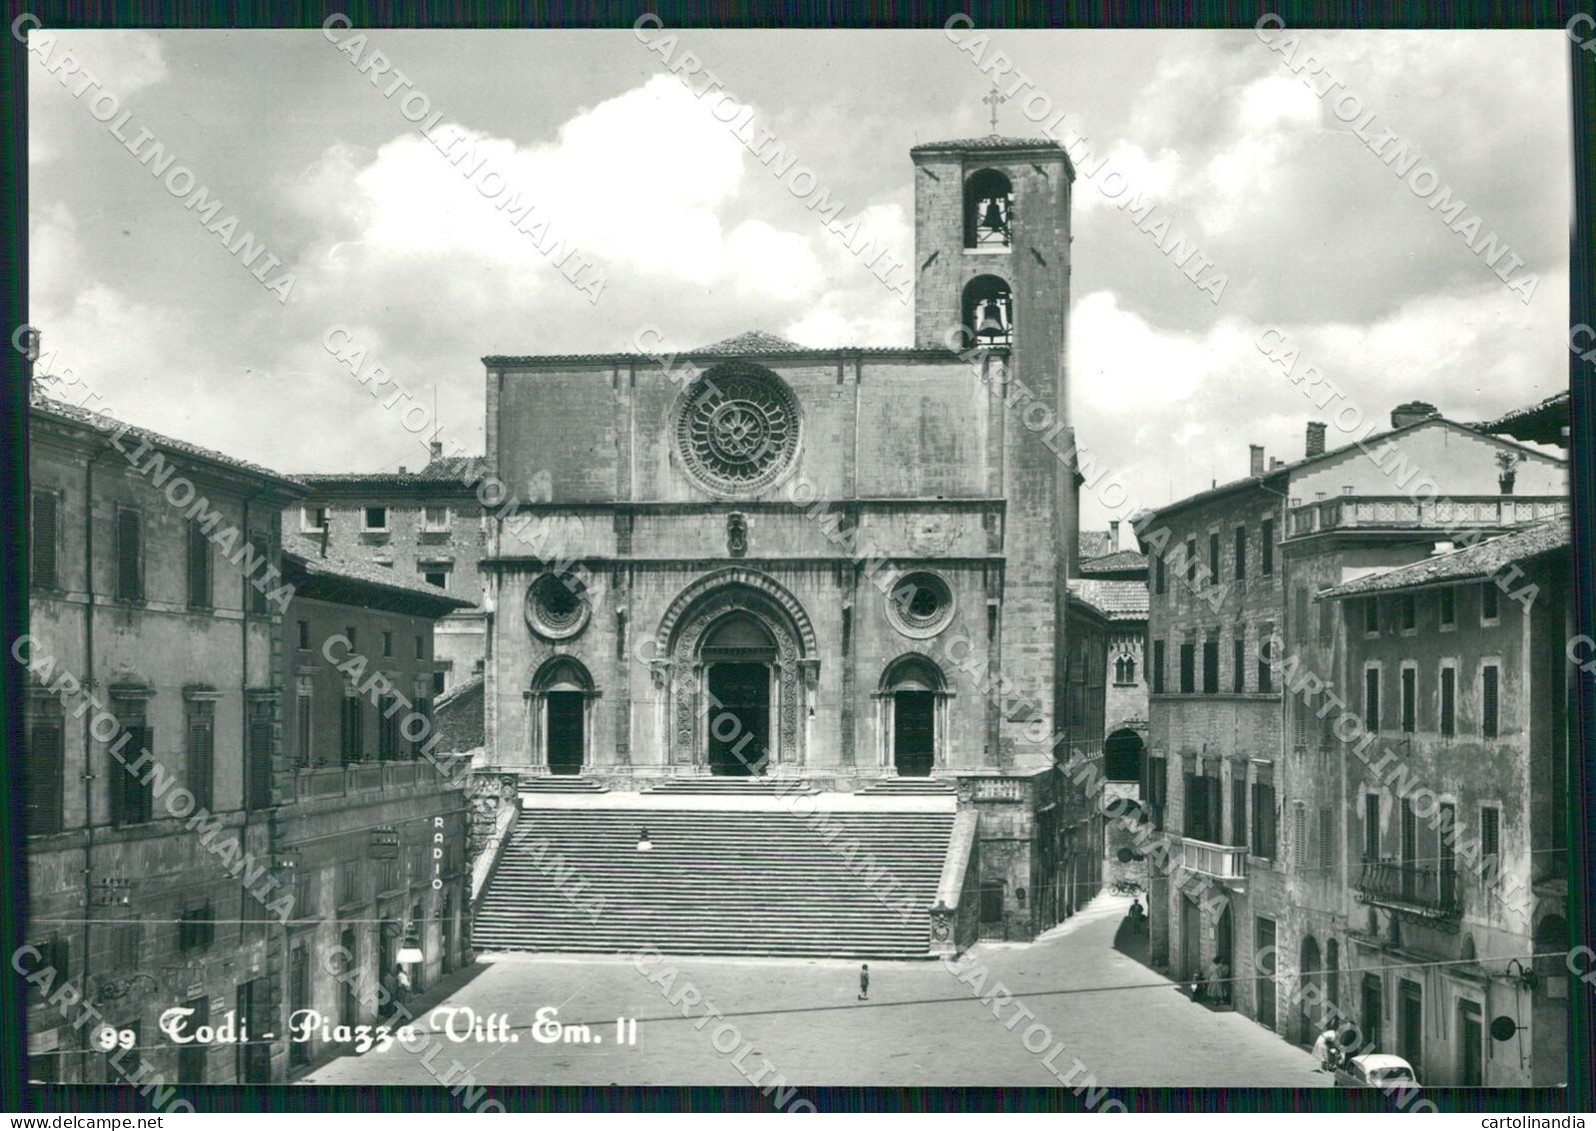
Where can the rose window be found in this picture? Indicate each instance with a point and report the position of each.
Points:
(738, 430)
(556, 607)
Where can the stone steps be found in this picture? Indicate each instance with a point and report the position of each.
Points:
(716, 882)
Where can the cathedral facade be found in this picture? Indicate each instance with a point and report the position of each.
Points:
(842, 565)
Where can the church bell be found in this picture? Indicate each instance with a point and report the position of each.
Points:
(993, 220)
(990, 324)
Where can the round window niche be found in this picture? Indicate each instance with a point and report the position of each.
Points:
(556, 606)
(737, 429)
(920, 604)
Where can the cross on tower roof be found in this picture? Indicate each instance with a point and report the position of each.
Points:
(993, 99)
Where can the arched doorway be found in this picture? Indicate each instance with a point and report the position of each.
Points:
(1310, 1012)
(1122, 756)
(738, 655)
(736, 658)
(559, 703)
(911, 696)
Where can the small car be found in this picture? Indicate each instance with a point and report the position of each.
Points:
(1376, 1070)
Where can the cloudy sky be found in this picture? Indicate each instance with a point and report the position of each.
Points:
(1315, 235)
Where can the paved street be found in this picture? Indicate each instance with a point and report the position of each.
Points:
(922, 1025)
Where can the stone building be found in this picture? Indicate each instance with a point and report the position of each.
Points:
(860, 555)
(426, 524)
(1456, 833)
(372, 825)
(151, 747)
(1244, 779)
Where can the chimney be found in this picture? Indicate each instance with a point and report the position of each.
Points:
(1276, 461)
(1315, 438)
(1113, 536)
(401, 469)
(1257, 461)
(437, 448)
(1412, 412)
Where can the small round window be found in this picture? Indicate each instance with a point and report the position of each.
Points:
(556, 606)
(920, 604)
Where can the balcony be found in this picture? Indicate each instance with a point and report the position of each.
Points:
(1226, 863)
(1430, 893)
(1400, 513)
(364, 777)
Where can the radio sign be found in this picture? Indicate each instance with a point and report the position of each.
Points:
(385, 843)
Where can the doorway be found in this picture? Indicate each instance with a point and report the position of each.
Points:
(1264, 955)
(914, 733)
(567, 732)
(739, 719)
(1410, 1025)
(1191, 919)
(254, 1057)
(298, 1000)
(1371, 1014)
(1471, 1061)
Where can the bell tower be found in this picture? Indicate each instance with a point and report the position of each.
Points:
(992, 256)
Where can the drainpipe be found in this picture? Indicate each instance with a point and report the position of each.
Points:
(89, 612)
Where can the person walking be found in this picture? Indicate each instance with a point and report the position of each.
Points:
(864, 982)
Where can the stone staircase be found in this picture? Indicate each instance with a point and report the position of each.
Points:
(910, 787)
(716, 881)
(732, 787)
(562, 784)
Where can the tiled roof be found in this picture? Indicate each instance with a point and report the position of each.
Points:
(1119, 562)
(457, 469)
(1484, 559)
(458, 717)
(752, 342)
(1094, 544)
(939, 353)
(1363, 443)
(1546, 419)
(1118, 600)
(50, 407)
(990, 141)
(309, 554)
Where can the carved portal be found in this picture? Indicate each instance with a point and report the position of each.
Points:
(794, 667)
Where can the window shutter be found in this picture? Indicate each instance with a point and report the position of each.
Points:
(1448, 701)
(1488, 718)
(1327, 839)
(45, 521)
(45, 768)
(202, 762)
(128, 550)
(199, 568)
(1299, 821)
(260, 764)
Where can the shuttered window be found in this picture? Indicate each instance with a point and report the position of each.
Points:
(45, 768)
(1490, 601)
(129, 556)
(1410, 699)
(202, 754)
(1213, 556)
(131, 800)
(260, 759)
(1241, 553)
(1371, 826)
(255, 586)
(1188, 664)
(352, 739)
(199, 568)
(1299, 834)
(1448, 599)
(1263, 820)
(1448, 701)
(1210, 667)
(1238, 810)
(46, 536)
(1371, 699)
(1488, 703)
(1266, 564)
(1238, 657)
(1158, 667)
(1490, 839)
(1327, 839)
(1266, 655)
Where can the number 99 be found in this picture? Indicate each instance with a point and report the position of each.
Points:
(107, 1038)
